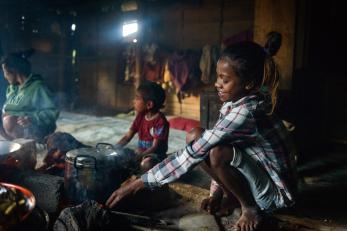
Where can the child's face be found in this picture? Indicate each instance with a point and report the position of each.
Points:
(139, 103)
(228, 84)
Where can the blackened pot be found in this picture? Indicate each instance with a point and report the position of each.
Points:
(94, 173)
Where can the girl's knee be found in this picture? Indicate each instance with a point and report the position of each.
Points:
(221, 156)
(194, 134)
(147, 163)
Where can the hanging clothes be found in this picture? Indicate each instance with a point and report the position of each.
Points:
(152, 72)
(153, 63)
(185, 71)
(167, 74)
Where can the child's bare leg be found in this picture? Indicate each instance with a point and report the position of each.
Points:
(235, 183)
(146, 164)
(194, 134)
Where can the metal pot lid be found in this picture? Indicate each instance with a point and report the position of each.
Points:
(103, 155)
(99, 154)
(102, 152)
(8, 147)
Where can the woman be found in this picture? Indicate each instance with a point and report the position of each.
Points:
(29, 111)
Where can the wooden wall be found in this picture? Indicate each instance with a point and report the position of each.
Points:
(273, 15)
(191, 26)
(92, 82)
(177, 26)
(97, 65)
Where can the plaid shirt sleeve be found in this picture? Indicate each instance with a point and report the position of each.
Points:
(236, 122)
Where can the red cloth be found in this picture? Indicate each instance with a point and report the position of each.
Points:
(148, 130)
(184, 124)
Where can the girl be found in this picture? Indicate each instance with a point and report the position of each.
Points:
(247, 152)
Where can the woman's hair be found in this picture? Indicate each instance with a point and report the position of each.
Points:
(254, 64)
(18, 61)
(152, 91)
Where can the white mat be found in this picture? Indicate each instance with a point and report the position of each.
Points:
(93, 129)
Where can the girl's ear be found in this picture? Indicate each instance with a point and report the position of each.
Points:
(249, 86)
(149, 104)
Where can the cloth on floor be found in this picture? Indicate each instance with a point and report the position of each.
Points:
(89, 216)
(58, 144)
(183, 124)
(62, 141)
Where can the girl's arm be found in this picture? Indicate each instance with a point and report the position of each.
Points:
(235, 125)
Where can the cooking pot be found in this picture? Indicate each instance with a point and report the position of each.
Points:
(16, 203)
(94, 173)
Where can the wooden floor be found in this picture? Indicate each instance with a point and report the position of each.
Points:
(323, 188)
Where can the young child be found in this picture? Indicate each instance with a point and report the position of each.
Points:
(246, 152)
(150, 124)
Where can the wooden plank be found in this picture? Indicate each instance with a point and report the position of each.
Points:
(238, 13)
(88, 70)
(233, 28)
(202, 15)
(308, 224)
(279, 16)
(124, 96)
(105, 88)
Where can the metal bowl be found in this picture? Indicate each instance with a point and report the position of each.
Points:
(7, 149)
(16, 203)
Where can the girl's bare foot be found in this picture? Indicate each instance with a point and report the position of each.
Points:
(211, 204)
(249, 220)
(227, 206)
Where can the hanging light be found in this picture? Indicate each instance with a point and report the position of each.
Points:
(130, 27)
(73, 27)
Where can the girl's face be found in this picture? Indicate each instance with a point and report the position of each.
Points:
(228, 84)
(9, 75)
(139, 103)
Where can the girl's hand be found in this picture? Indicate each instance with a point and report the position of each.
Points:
(123, 192)
(23, 121)
(139, 154)
(211, 204)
